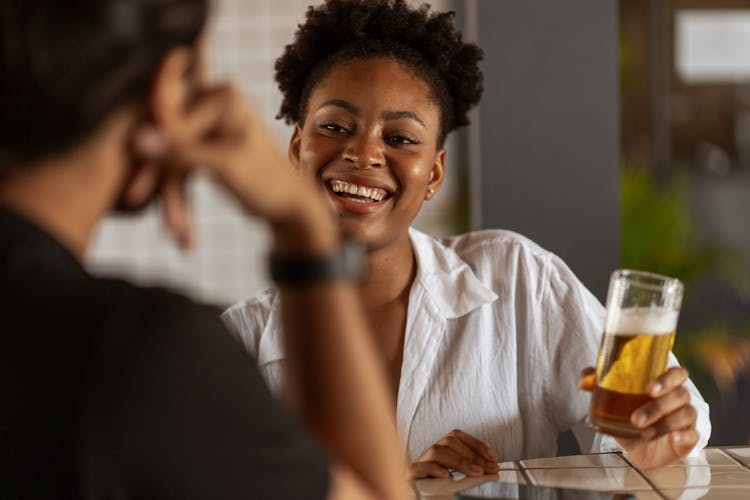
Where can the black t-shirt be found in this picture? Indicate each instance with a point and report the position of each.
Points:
(112, 391)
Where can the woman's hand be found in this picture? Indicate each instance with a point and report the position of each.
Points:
(667, 423)
(456, 451)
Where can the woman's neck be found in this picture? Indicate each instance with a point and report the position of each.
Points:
(391, 271)
(385, 294)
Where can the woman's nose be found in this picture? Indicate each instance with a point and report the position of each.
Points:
(365, 152)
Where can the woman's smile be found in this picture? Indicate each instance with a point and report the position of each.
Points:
(357, 194)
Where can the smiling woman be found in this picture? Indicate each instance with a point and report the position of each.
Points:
(483, 334)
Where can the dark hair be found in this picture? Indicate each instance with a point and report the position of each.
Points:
(344, 30)
(65, 66)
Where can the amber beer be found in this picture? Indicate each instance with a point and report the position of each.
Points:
(642, 313)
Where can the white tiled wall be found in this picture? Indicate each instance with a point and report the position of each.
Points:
(228, 263)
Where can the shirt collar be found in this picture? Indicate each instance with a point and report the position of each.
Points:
(449, 281)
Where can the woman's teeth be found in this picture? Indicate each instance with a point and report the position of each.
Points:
(374, 194)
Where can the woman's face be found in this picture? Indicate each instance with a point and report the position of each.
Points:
(370, 139)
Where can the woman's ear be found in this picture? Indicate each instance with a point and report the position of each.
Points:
(437, 174)
(294, 145)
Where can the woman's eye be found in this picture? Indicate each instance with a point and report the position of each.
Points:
(332, 127)
(400, 139)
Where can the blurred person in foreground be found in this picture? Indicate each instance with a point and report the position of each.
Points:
(484, 334)
(113, 391)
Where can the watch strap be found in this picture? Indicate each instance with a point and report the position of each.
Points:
(347, 264)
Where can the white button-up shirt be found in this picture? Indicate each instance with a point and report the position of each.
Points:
(497, 332)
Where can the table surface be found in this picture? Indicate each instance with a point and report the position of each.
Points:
(716, 473)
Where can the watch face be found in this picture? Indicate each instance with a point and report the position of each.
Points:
(496, 490)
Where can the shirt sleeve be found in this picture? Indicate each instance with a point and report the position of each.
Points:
(573, 323)
(180, 411)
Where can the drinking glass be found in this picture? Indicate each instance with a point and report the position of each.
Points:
(639, 331)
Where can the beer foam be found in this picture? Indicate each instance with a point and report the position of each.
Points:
(642, 321)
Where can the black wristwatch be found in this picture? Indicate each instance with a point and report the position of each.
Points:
(347, 264)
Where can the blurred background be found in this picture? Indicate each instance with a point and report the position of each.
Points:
(685, 185)
(614, 133)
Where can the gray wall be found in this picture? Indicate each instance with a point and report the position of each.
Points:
(548, 128)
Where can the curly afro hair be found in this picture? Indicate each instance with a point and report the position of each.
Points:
(344, 30)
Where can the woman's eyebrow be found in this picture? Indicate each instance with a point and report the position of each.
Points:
(386, 115)
(397, 115)
(342, 104)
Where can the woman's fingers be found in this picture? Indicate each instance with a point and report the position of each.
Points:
(667, 381)
(456, 451)
(588, 379)
(683, 441)
(455, 444)
(428, 469)
(660, 407)
(670, 411)
(667, 422)
(462, 449)
(481, 448)
(445, 457)
(684, 418)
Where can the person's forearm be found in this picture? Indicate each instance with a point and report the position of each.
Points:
(338, 383)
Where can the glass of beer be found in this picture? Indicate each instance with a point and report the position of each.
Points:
(639, 330)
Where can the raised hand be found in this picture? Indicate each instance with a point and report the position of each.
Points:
(214, 129)
(457, 451)
(220, 134)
